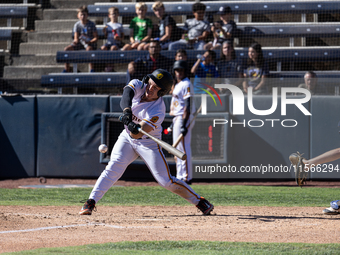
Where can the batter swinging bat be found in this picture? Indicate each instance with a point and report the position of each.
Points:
(165, 145)
(181, 135)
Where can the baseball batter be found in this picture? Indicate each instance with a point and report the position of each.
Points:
(143, 107)
(182, 107)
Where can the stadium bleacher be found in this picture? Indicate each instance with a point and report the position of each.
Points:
(292, 52)
(15, 11)
(278, 55)
(278, 30)
(329, 79)
(238, 7)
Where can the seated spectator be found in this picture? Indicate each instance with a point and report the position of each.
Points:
(114, 33)
(255, 71)
(222, 30)
(311, 83)
(167, 26)
(85, 36)
(197, 30)
(140, 29)
(204, 71)
(229, 68)
(140, 67)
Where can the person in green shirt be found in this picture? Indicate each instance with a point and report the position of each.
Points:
(140, 29)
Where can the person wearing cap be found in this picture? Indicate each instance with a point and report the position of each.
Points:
(143, 109)
(182, 107)
(222, 30)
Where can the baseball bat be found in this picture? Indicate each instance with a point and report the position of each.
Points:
(165, 145)
(181, 135)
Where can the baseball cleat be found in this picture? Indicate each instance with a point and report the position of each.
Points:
(300, 172)
(88, 207)
(334, 209)
(205, 206)
(335, 204)
(188, 182)
(330, 211)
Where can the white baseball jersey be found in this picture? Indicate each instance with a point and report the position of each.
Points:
(127, 149)
(112, 30)
(153, 113)
(182, 91)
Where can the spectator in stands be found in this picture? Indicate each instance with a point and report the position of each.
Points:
(204, 70)
(229, 67)
(167, 26)
(140, 29)
(255, 71)
(85, 35)
(222, 30)
(154, 60)
(181, 54)
(311, 83)
(197, 30)
(114, 33)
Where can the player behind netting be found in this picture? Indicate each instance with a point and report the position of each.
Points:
(143, 107)
(182, 107)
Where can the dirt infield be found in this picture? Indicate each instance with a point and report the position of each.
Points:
(27, 227)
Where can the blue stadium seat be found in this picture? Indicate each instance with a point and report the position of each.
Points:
(112, 56)
(273, 30)
(5, 34)
(250, 7)
(328, 79)
(83, 79)
(270, 54)
(13, 11)
(290, 30)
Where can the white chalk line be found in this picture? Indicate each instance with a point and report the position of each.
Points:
(73, 226)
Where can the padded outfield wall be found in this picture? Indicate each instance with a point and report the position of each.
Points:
(58, 136)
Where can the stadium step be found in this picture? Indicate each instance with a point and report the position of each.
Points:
(42, 48)
(55, 14)
(55, 36)
(30, 72)
(55, 25)
(32, 60)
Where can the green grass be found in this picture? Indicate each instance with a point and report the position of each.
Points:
(219, 195)
(191, 247)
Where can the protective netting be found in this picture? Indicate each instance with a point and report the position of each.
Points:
(43, 50)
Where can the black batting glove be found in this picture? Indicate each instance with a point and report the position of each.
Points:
(126, 118)
(184, 129)
(133, 128)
